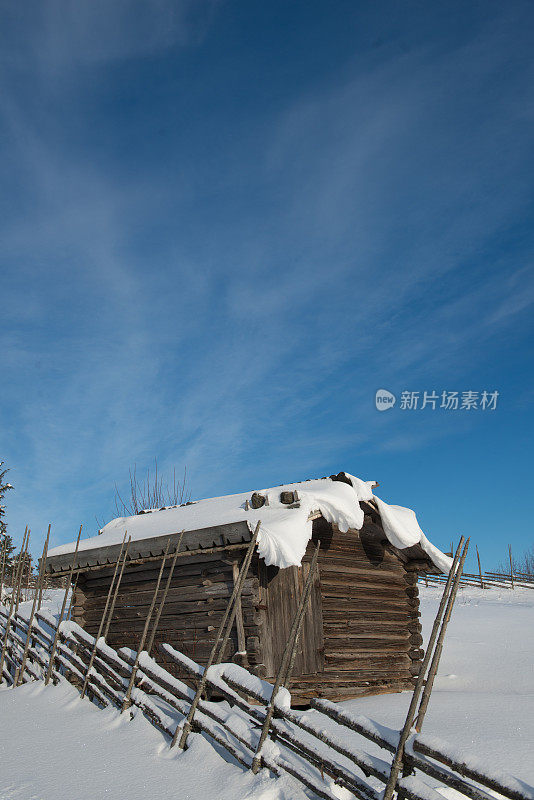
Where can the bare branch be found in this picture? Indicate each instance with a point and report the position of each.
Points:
(151, 492)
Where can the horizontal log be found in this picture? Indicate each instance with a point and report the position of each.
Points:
(203, 648)
(337, 693)
(189, 614)
(362, 570)
(143, 581)
(367, 660)
(175, 594)
(362, 651)
(188, 566)
(394, 615)
(372, 586)
(360, 604)
(350, 555)
(357, 591)
(348, 636)
(368, 679)
(367, 627)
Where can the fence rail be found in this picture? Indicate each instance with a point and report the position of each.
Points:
(317, 749)
(484, 580)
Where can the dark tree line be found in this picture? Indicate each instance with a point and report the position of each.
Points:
(7, 547)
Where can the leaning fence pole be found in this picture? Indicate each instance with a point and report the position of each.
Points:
(100, 627)
(479, 568)
(18, 575)
(41, 585)
(141, 646)
(238, 589)
(32, 614)
(405, 732)
(15, 583)
(150, 642)
(2, 574)
(293, 655)
(22, 559)
(511, 564)
(202, 682)
(14, 588)
(439, 646)
(60, 618)
(28, 574)
(72, 595)
(288, 659)
(117, 586)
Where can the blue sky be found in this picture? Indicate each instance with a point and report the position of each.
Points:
(225, 225)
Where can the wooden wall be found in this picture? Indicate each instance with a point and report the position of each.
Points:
(361, 633)
(370, 613)
(200, 589)
(280, 592)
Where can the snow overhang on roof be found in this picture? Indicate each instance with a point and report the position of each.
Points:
(285, 514)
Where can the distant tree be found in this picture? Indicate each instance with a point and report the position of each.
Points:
(522, 564)
(525, 563)
(7, 548)
(8, 544)
(4, 487)
(151, 491)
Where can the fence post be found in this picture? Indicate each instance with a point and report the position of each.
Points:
(60, 618)
(141, 644)
(219, 636)
(3, 568)
(479, 568)
(439, 646)
(117, 587)
(399, 753)
(164, 598)
(288, 659)
(14, 589)
(32, 613)
(40, 599)
(22, 557)
(102, 621)
(511, 564)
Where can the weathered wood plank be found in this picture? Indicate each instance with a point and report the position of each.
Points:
(182, 594)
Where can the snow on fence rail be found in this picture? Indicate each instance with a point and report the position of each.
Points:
(261, 729)
(314, 748)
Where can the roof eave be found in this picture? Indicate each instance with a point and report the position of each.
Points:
(203, 539)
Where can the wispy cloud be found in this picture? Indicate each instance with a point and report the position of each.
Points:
(59, 35)
(239, 319)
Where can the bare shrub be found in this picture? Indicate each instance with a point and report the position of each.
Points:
(151, 491)
(522, 565)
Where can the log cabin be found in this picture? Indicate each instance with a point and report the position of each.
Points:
(361, 633)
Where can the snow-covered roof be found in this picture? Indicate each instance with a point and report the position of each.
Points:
(285, 529)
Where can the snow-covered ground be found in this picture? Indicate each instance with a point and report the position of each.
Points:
(54, 746)
(483, 697)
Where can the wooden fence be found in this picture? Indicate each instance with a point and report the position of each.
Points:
(317, 749)
(485, 580)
